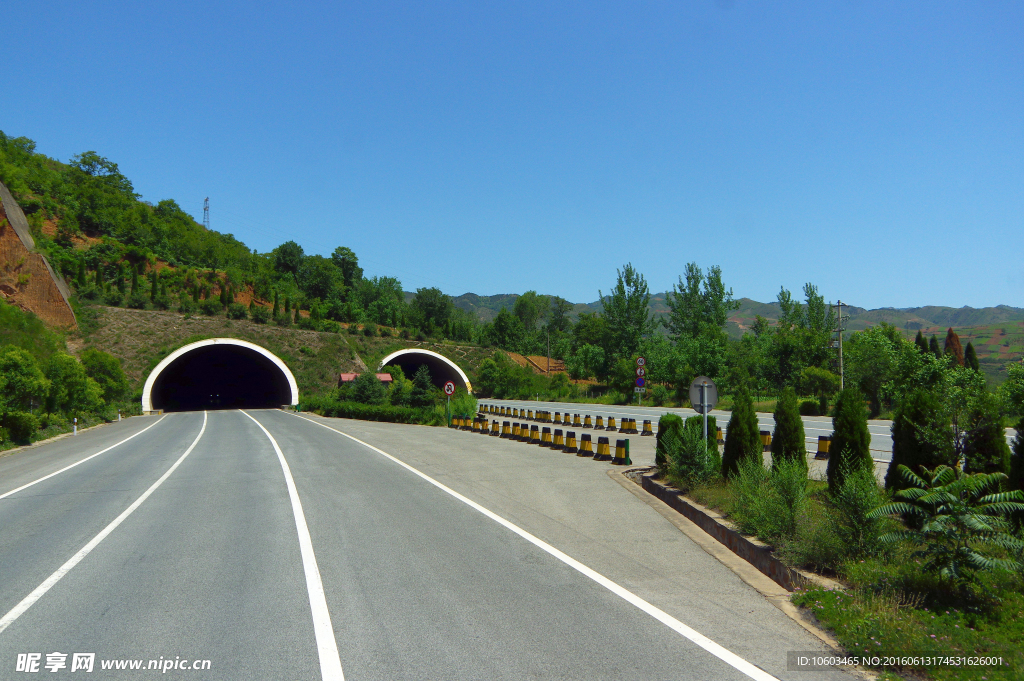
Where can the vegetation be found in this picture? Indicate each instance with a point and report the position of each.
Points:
(851, 441)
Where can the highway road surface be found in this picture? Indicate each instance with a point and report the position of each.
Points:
(273, 545)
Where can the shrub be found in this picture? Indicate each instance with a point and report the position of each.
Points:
(742, 437)
(768, 503)
(368, 389)
(20, 426)
(659, 395)
(137, 300)
(210, 307)
(114, 298)
(370, 329)
(186, 305)
(851, 442)
(809, 408)
(106, 370)
(385, 332)
(329, 326)
(670, 428)
(851, 505)
(305, 323)
(237, 311)
(788, 439)
(918, 413)
(326, 406)
(260, 315)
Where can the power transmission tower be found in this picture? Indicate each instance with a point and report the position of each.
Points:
(206, 213)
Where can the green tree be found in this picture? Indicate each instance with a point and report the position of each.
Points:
(788, 439)
(288, 257)
(920, 342)
(431, 309)
(277, 309)
(558, 316)
(106, 370)
(985, 448)
(851, 441)
(71, 390)
(21, 380)
(586, 362)
(742, 436)
(500, 377)
(507, 332)
(1012, 389)
(627, 312)
(347, 262)
(699, 304)
(318, 277)
(80, 279)
(530, 308)
(422, 388)
(368, 389)
(918, 414)
(135, 280)
(971, 357)
(821, 383)
(933, 347)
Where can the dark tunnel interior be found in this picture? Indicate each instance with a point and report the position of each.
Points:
(220, 377)
(440, 371)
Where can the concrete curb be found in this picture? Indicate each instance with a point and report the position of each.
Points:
(775, 593)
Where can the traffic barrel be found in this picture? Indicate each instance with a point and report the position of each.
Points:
(558, 417)
(476, 425)
(602, 453)
(454, 423)
(545, 437)
(624, 427)
(516, 435)
(576, 423)
(622, 453)
(587, 423)
(559, 442)
(611, 423)
(529, 414)
(632, 427)
(719, 437)
(506, 429)
(534, 435)
(824, 443)
(600, 423)
(586, 446)
(766, 440)
(648, 430)
(495, 430)
(566, 421)
(570, 443)
(515, 413)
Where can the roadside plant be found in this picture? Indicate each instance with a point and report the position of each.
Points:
(788, 439)
(742, 437)
(769, 501)
(955, 519)
(851, 441)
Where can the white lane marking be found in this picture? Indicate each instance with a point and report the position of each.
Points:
(704, 642)
(47, 584)
(91, 456)
(326, 645)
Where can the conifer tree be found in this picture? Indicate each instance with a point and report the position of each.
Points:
(276, 310)
(135, 280)
(154, 289)
(851, 441)
(971, 357)
(985, 448)
(788, 439)
(918, 413)
(195, 293)
(933, 347)
(742, 437)
(288, 306)
(953, 348)
(80, 279)
(120, 278)
(99, 275)
(920, 342)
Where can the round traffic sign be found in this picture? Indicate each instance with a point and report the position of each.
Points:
(640, 382)
(449, 388)
(710, 394)
(641, 371)
(640, 361)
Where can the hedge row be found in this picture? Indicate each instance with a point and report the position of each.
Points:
(365, 412)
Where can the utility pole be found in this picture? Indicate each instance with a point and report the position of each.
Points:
(206, 213)
(839, 329)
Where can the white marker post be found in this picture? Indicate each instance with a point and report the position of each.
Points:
(74, 430)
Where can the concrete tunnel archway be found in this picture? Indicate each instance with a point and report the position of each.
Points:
(219, 373)
(441, 368)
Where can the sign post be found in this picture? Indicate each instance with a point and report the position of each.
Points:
(641, 382)
(703, 398)
(449, 390)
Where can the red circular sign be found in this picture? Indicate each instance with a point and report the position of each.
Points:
(449, 388)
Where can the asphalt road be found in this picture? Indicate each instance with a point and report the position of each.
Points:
(275, 547)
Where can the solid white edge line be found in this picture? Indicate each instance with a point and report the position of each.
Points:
(91, 456)
(671, 622)
(326, 645)
(40, 590)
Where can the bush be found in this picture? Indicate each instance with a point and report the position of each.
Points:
(768, 503)
(670, 427)
(809, 408)
(368, 389)
(137, 301)
(283, 320)
(237, 311)
(851, 442)
(210, 307)
(659, 395)
(20, 426)
(329, 326)
(260, 315)
(161, 303)
(186, 305)
(326, 406)
(788, 439)
(851, 506)
(743, 436)
(114, 298)
(370, 330)
(385, 332)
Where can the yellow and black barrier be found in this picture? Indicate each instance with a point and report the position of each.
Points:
(516, 434)
(587, 423)
(506, 429)
(515, 413)
(824, 444)
(529, 414)
(476, 425)
(454, 423)
(611, 423)
(623, 425)
(600, 423)
(766, 440)
(495, 430)
(648, 430)
(534, 435)
(622, 453)
(602, 453)
(576, 423)
(559, 442)
(719, 437)
(545, 437)
(566, 421)
(586, 446)
(570, 443)
(558, 417)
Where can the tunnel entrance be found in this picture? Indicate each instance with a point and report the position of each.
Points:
(441, 368)
(220, 373)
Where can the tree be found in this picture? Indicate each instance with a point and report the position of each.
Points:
(288, 257)
(788, 439)
(971, 357)
(507, 331)
(502, 378)
(821, 383)
(276, 308)
(558, 315)
(1012, 389)
(742, 436)
(318, 277)
(106, 370)
(21, 380)
(346, 261)
(71, 390)
(851, 441)
(700, 304)
(135, 280)
(985, 448)
(919, 413)
(422, 388)
(368, 389)
(431, 309)
(80, 279)
(627, 311)
(920, 342)
(953, 348)
(530, 308)
(933, 347)
(586, 362)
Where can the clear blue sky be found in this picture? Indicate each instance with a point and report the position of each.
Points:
(873, 148)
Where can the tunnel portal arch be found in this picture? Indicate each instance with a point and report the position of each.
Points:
(219, 373)
(441, 368)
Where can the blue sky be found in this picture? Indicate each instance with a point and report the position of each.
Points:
(875, 149)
